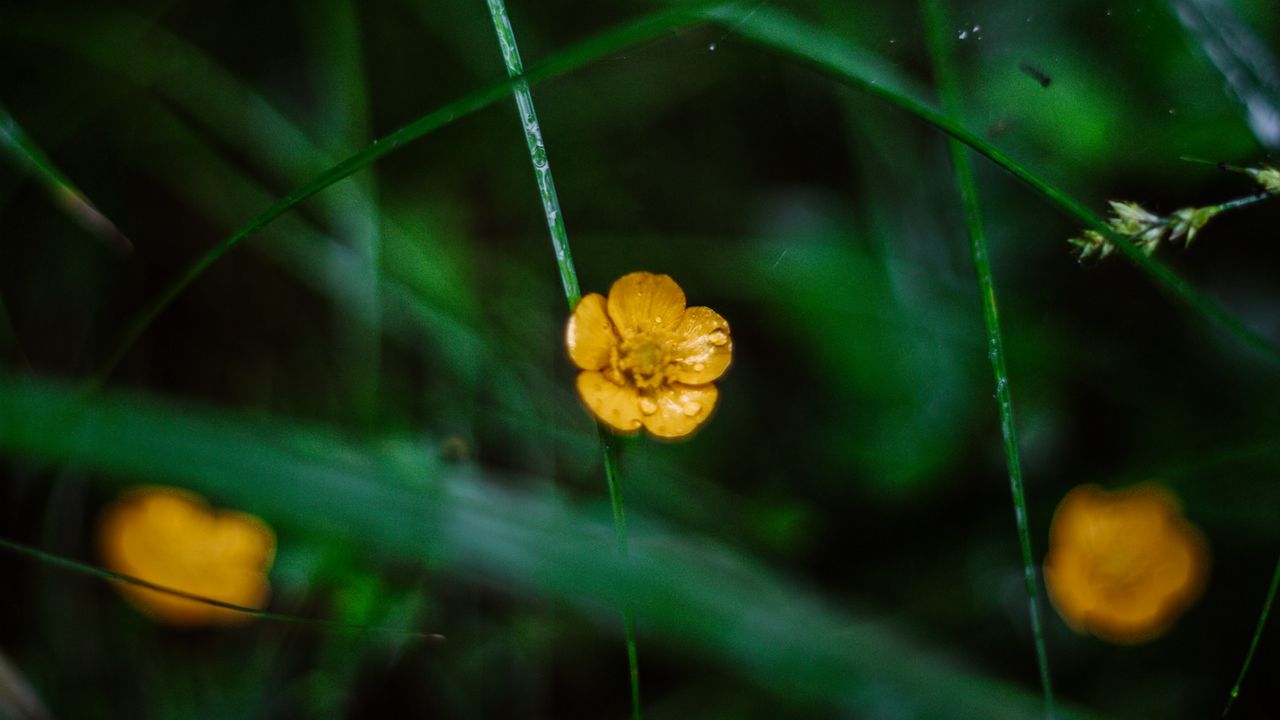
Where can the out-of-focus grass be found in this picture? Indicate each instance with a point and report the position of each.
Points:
(398, 501)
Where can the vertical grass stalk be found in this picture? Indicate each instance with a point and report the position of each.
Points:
(1257, 636)
(335, 29)
(537, 151)
(948, 89)
(610, 445)
(572, 291)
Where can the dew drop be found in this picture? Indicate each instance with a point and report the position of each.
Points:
(657, 319)
(648, 406)
(718, 337)
(712, 47)
(691, 408)
(699, 367)
(962, 34)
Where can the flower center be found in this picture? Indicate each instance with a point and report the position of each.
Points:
(643, 359)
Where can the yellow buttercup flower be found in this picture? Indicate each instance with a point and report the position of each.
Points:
(647, 360)
(1123, 565)
(173, 538)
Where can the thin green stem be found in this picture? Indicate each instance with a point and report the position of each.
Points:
(1257, 636)
(1242, 202)
(831, 55)
(610, 445)
(76, 566)
(948, 88)
(572, 291)
(537, 151)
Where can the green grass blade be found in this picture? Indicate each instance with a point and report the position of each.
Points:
(537, 151)
(76, 566)
(948, 87)
(572, 293)
(777, 30)
(597, 47)
(1257, 637)
(27, 157)
(609, 444)
(397, 501)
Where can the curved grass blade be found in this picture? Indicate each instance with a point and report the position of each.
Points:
(29, 158)
(824, 50)
(572, 294)
(76, 566)
(1257, 637)
(948, 89)
(602, 45)
(396, 500)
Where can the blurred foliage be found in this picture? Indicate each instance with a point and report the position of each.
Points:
(380, 373)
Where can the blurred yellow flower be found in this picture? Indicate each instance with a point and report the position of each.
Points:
(1123, 565)
(646, 359)
(173, 538)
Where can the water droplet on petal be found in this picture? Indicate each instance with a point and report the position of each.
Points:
(699, 367)
(657, 319)
(691, 408)
(648, 406)
(718, 337)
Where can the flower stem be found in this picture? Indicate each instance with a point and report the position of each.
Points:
(1257, 636)
(572, 293)
(610, 445)
(1241, 202)
(948, 89)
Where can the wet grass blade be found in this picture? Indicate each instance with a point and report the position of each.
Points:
(948, 88)
(816, 46)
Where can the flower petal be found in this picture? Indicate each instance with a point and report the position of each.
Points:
(679, 409)
(590, 336)
(617, 406)
(703, 348)
(641, 301)
(1123, 565)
